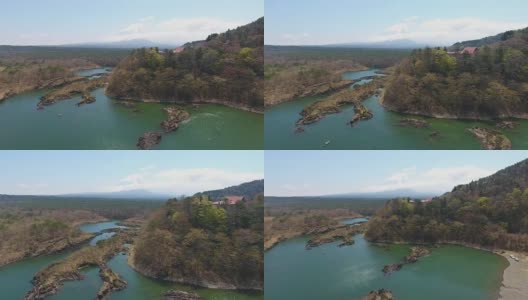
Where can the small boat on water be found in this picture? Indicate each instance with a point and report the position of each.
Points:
(327, 142)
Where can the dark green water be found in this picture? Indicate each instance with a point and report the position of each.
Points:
(381, 132)
(330, 272)
(107, 125)
(15, 279)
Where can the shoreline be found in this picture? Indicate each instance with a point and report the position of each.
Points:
(520, 117)
(274, 241)
(202, 284)
(514, 276)
(330, 91)
(211, 101)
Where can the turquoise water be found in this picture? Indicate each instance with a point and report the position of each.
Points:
(15, 279)
(380, 132)
(97, 227)
(107, 125)
(330, 272)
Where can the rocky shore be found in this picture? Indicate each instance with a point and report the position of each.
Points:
(491, 139)
(148, 140)
(49, 280)
(342, 233)
(68, 91)
(111, 282)
(176, 115)
(313, 90)
(180, 295)
(416, 253)
(332, 104)
(381, 294)
(57, 245)
(413, 122)
(6, 91)
(361, 113)
(86, 99)
(212, 281)
(515, 277)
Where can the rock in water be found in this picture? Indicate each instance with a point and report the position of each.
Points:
(180, 295)
(416, 252)
(388, 269)
(507, 125)
(491, 139)
(111, 282)
(176, 115)
(148, 140)
(382, 294)
(299, 130)
(411, 122)
(86, 99)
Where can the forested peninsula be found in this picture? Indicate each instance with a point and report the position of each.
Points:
(491, 213)
(481, 79)
(224, 68)
(205, 241)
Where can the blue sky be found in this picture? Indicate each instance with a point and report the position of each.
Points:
(312, 173)
(176, 172)
(30, 22)
(302, 22)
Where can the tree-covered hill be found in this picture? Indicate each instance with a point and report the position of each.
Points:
(225, 68)
(491, 212)
(497, 185)
(248, 189)
(491, 83)
(195, 242)
(483, 41)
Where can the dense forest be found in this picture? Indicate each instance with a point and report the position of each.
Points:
(226, 67)
(196, 242)
(491, 212)
(490, 83)
(248, 189)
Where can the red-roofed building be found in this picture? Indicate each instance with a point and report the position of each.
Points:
(469, 50)
(232, 200)
(179, 49)
(427, 200)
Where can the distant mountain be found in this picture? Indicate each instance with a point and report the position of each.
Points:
(384, 194)
(487, 40)
(248, 189)
(128, 194)
(392, 44)
(126, 44)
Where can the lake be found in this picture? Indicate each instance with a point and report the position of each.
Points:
(15, 279)
(380, 132)
(108, 125)
(330, 272)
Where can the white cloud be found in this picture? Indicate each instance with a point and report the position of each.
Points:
(445, 31)
(181, 181)
(438, 180)
(174, 30)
